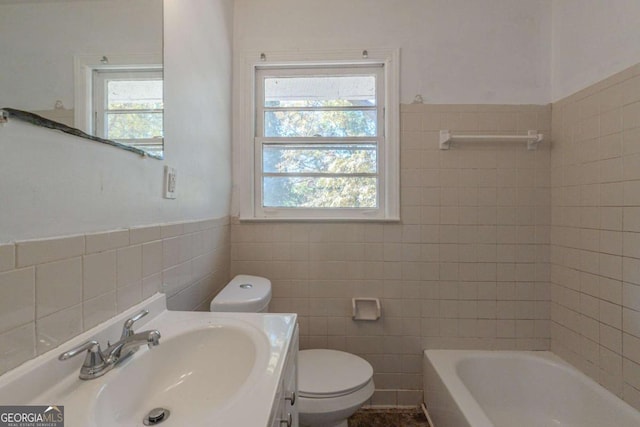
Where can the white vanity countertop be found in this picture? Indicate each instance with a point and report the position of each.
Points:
(47, 381)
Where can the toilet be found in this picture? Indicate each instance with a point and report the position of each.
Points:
(332, 384)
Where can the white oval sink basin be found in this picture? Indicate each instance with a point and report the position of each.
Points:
(220, 369)
(190, 374)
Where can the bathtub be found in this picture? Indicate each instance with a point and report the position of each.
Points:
(516, 389)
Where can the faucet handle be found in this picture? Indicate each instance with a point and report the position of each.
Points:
(94, 364)
(127, 329)
(90, 346)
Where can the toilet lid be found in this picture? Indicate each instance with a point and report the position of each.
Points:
(244, 293)
(327, 373)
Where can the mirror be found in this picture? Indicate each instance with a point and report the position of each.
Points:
(94, 65)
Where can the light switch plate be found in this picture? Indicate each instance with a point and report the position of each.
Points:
(170, 180)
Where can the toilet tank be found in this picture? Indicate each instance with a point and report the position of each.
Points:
(244, 293)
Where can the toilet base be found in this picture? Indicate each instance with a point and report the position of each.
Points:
(343, 423)
(333, 412)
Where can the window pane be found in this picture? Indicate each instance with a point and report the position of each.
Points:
(134, 125)
(134, 94)
(320, 123)
(320, 91)
(320, 192)
(311, 158)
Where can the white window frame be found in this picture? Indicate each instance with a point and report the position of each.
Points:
(84, 66)
(248, 142)
(101, 77)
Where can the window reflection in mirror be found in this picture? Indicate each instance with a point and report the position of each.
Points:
(40, 41)
(128, 107)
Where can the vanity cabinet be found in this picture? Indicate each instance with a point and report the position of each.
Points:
(285, 407)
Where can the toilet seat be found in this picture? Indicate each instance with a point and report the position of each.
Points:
(331, 373)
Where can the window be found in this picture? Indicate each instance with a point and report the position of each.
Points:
(128, 107)
(324, 141)
(120, 97)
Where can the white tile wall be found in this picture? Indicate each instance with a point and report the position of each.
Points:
(54, 289)
(467, 267)
(595, 246)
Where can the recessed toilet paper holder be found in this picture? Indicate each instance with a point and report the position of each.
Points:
(365, 308)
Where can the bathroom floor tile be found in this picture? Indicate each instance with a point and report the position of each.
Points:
(391, 417)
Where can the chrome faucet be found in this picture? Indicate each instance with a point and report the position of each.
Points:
(127, 328)
(98, 362)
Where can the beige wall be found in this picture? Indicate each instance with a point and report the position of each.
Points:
(37, 60)
(591, 40)
(466, 268)
(452, 51)
(52, 290)
(595, 237)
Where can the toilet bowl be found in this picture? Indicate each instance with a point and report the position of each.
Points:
(332, 384)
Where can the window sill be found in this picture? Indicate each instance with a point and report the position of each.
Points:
(321, 219)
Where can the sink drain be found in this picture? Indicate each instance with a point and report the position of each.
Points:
(156, 416)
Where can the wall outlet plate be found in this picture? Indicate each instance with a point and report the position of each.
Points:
(170, 179)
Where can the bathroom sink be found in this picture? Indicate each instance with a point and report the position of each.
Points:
(189, 374)
(209, 368)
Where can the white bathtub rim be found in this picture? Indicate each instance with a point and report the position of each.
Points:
(445, 363)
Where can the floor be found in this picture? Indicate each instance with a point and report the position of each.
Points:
(392, 417)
